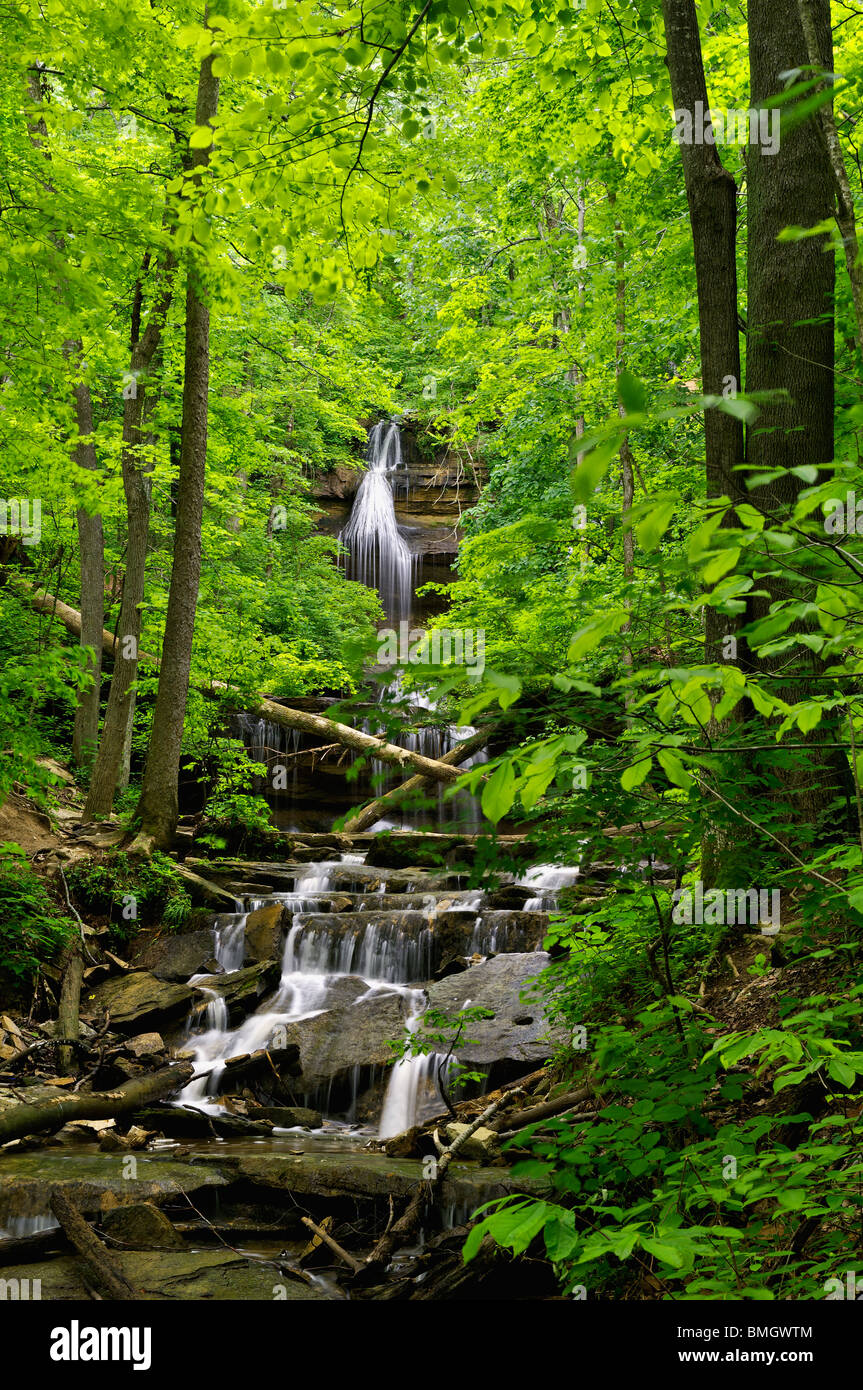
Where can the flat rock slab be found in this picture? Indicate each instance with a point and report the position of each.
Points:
(217, 1275)
(94, 1182)
(518, 1030)
(138, 1000)
(367, 1175)
(178, 956)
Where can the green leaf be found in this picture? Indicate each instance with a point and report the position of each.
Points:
(634, 776)
(498, 794)
(631, 392)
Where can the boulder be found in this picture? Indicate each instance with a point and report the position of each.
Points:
(518, 1031)
(146, 1045)
(136, 1001)
(176, 957)
(241, 989)
(482, 1144)
(333, 1043)
(141, 1226)
(264, 932)
(290, 1116)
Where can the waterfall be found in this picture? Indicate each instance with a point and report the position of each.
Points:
(380, 557)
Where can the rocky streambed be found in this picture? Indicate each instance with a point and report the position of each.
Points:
(291, 1012)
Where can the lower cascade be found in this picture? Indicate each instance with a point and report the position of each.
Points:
(369, 948)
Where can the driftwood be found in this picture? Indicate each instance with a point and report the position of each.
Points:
(353, 1264)
(21, 1120)
(105, 1273)
(402, 1229)
(374, 810)
(330, 729)
(544, 1111)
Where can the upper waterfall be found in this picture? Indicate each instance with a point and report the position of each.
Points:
(379, 556)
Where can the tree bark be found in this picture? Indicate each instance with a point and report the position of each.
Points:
(104, 1271)
(70, 999)
(138, 407)
(814, 33)
(711, 195)
(158, 806)
(98, 1105)
(91, 550)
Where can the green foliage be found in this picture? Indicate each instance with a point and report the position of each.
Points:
(130, 893)
(33, 930)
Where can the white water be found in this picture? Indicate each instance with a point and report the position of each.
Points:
(379, 555)
(314, 957)
(549, 879)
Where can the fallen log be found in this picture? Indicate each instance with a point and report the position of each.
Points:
(354, 1265)
(105, 1273)
(437, 770)
(374, 810)
(98, 1105)
(521, 1118)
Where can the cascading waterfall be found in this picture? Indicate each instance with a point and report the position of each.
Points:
(379, 555)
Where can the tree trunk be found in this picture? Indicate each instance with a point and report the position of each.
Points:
(70, 999)
(91, 550)
(157, 808)
(711, 195)
(373, 811)
(138, 407)
(790, 330)
(97, 1105)
(105, 1273)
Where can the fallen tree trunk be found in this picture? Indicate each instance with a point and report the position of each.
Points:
(374, 810)
(437, 770)
(98, 1105)
(105, 1273)
(520, 1118)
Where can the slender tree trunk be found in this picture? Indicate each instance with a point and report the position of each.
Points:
(157, 809)
(139, 404)
(91, 550)
(711, 195)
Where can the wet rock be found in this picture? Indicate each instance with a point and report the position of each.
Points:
(510, 897)
(460, 931)
(333, 1043)
(241, 989)
(146, 1045)
(94, 1182)
(136, 1001)
(345, 989)
(290, 1116)
(141, 1226)
(369, 1175)
(518, 1030)
(195, 1275)
(177, 957)
(265, 932)
(482, 1144)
